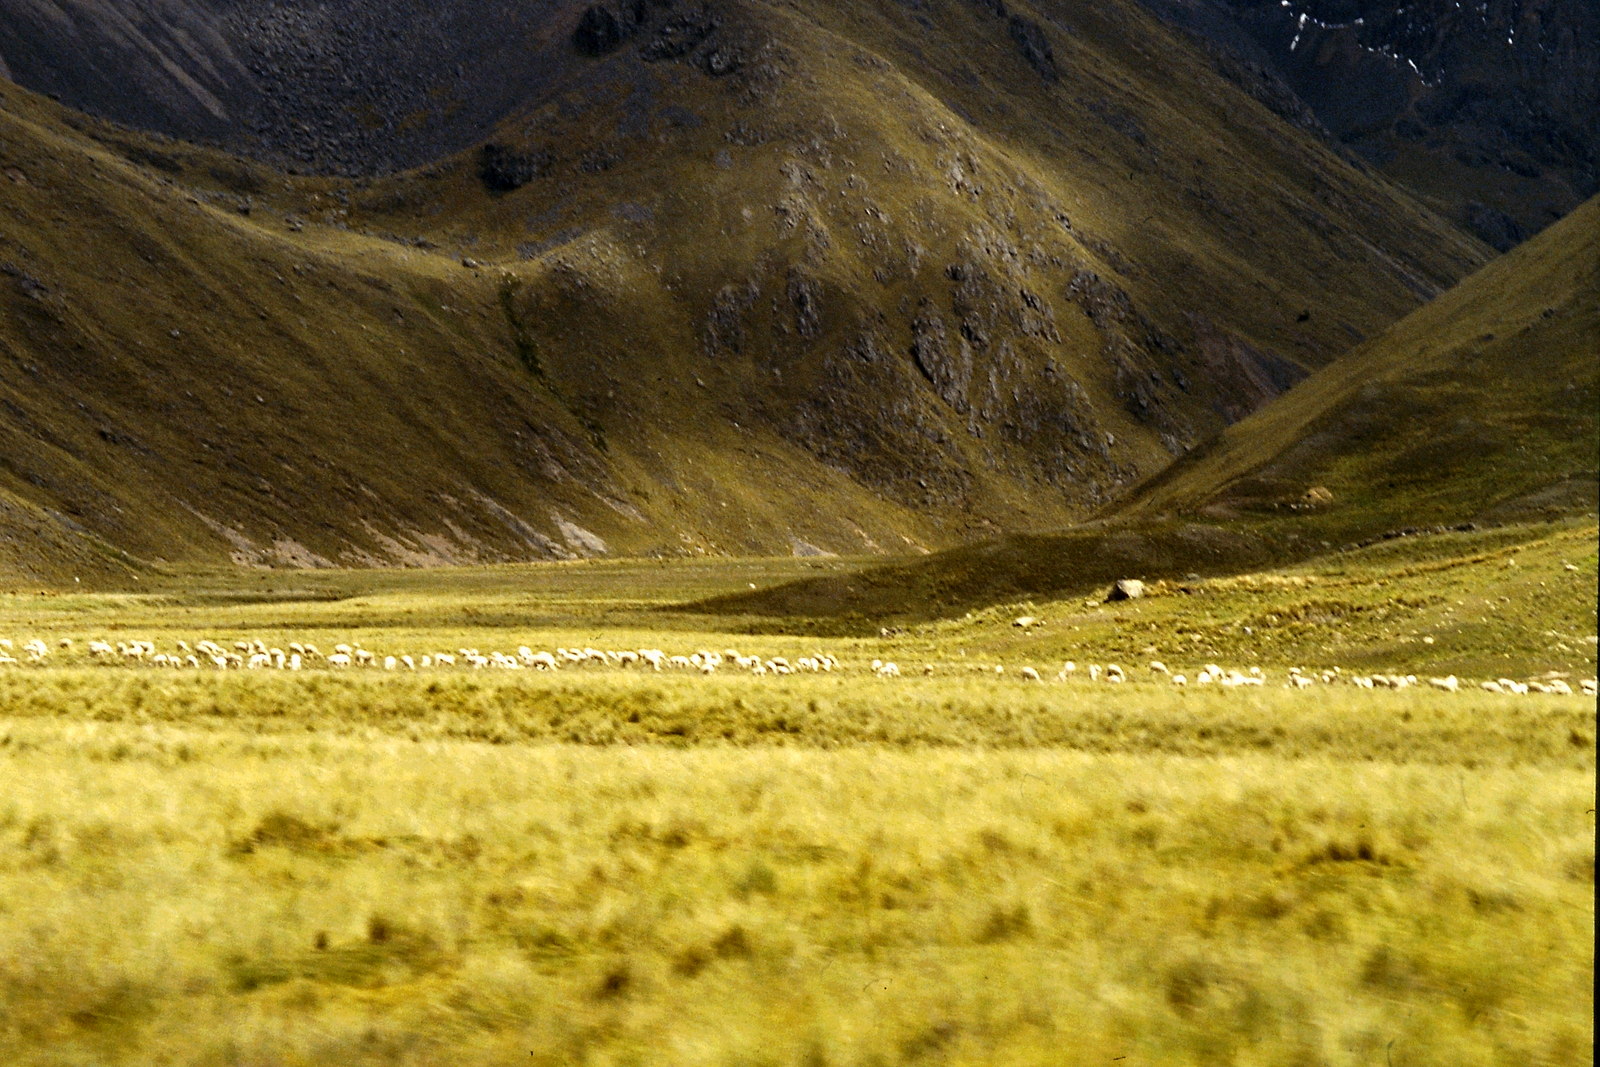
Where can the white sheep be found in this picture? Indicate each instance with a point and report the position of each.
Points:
(1029, 674)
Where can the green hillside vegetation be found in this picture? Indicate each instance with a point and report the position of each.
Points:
(1478, 409)
(885, 286)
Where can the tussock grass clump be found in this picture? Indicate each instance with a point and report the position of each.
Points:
(972, 711)
(696, 906)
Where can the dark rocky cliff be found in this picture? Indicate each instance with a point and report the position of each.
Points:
(1489, 110)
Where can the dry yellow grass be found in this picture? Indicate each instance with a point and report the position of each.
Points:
(604, 867)
(214, 896)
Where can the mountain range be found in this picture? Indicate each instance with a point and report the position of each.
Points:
(347, 284)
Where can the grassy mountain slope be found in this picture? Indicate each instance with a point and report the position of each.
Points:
(779, 278)
(1479, 407)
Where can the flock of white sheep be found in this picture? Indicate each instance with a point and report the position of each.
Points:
(258, 655)
(297, 655)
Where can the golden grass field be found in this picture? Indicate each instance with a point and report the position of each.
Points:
(605, 866)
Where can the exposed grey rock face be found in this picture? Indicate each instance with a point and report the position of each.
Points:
(159, 64)
(349, 87)
(1507, 89)
(329, 86)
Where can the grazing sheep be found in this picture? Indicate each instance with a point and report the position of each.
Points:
(1179, 679)
(1449, 684)
(1157, 667)
(339, 660)
(1066, 668)
(1115, 674)
(1029, 674)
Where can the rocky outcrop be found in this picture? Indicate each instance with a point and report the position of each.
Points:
(1491, 107)
(169, 65)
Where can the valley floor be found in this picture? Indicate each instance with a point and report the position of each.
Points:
(608, 864)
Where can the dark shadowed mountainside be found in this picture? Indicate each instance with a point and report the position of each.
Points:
(1489, 111)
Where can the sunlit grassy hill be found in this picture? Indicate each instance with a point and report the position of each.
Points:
(1481, 405)
(763, 279)
(1479, 408)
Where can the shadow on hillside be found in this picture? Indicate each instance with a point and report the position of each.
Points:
(1021, 566)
